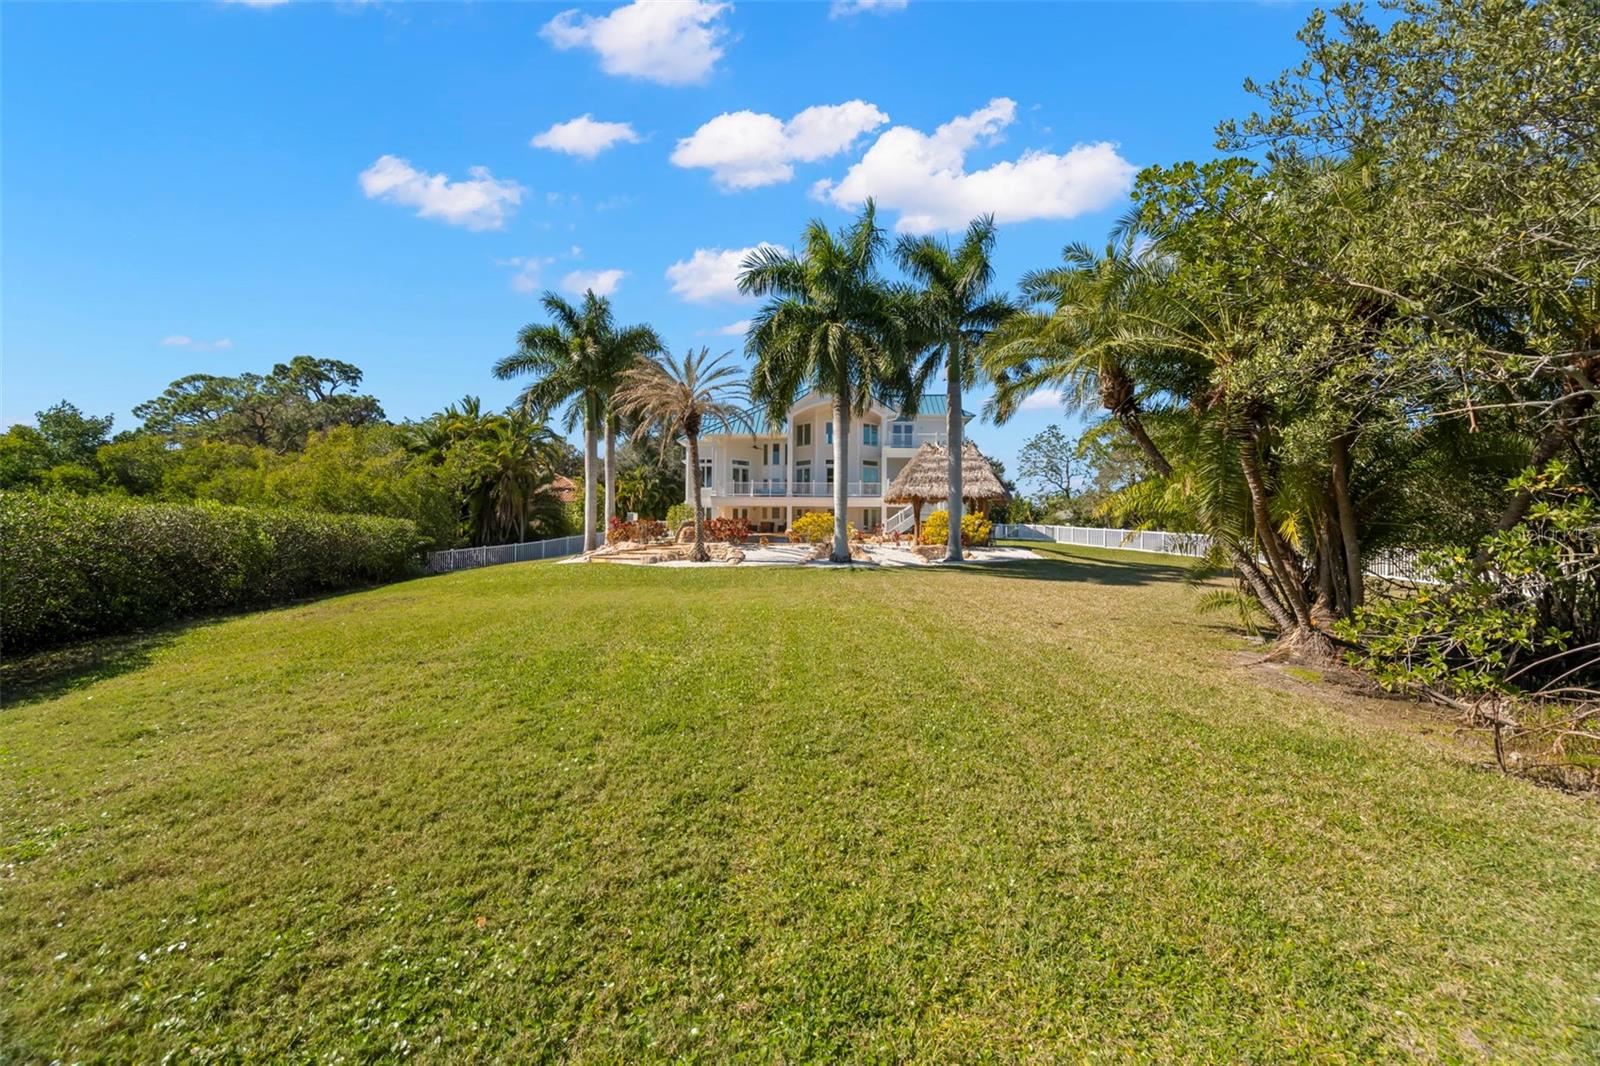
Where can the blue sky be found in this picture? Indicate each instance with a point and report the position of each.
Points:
(219, 186)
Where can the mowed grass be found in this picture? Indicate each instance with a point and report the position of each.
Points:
(598, 813)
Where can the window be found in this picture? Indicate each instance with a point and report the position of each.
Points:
(705, 473)
(830, 471)
(802, 435)
(869, 433)
(869, 472)
(802, 473)
(828, 431)
(772, 454)
(901, 435)
(741, 473)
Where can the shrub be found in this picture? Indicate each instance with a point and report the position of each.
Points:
(815, 527)
(77, 566)
(678, 514)
(732, 530)
(976, 529)
(641, 531)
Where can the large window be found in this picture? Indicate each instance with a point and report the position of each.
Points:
(827, 432)
(830, 471)
(741, 473)
(901, 434)
(705, 473)
(869, 473)
(802, 435)
(772, 454)
(802, 473)
(869, 433)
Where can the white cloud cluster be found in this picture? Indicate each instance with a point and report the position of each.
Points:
(745, 149)
(178, 340)
(676, 43)
(734, 329)
(845, 8)
(481, 202)
(603, 282)
(710, 274)
(1043, 400)
(924, 178)
(584, 137)
(526, 277)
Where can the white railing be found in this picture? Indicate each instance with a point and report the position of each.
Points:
(899, 522)
(807, 489)
(917, 440)
(1390, 565)
(444, 562)
(761, 487)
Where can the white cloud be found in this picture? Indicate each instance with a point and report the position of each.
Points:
(924, 178)
(710, 274)
(178, 340)
(526, 277)
(846, 8)
(584, 137)
(675, 43)
(745, 149)
(1044, 400)
(603, 282)
(734, 329)
(480, 202)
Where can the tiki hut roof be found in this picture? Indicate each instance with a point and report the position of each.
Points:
(927, 476)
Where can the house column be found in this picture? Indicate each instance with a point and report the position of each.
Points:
(689, 474)
(788, 474)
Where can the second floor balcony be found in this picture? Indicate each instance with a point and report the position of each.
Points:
(768, 487)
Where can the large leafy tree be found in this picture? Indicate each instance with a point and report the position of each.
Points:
(578, 360)
(830, 322)
(278, 410)
(956, 311)
(696, 395)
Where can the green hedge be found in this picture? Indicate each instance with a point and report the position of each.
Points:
(73, 566)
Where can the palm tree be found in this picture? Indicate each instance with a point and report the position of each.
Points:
(830, 323)
(688, 398)
(957, 312)
(579, 359)
(1105, 329)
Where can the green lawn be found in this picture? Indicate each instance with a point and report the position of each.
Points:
(601, 813)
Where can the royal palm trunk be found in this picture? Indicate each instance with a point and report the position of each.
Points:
(953, 433)
(841, 476)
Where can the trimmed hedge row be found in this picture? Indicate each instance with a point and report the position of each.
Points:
(73, 566)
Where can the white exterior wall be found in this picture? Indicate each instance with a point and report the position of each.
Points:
(774, 492)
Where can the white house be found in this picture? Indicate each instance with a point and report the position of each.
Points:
(769, 474)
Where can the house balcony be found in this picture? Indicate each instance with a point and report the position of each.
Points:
(800, 491)
(906, 443)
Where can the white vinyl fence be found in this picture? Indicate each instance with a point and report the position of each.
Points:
(529, 551)
(1389, 565)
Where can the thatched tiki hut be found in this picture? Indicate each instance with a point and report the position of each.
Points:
(926, 479)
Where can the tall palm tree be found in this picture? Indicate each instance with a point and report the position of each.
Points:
(831, 323)
(579, 359)
(956, 312)
(690, 397)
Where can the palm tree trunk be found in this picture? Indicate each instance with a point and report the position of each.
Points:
(1246, 567)
(698, 553)
(1347, 520)
(841, 476)
(591, 461)
(611, 469)
(1131, 422)
(953, 433)
(1290, 581)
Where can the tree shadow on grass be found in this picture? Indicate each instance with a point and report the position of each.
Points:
(1080, 568)
(50, 672)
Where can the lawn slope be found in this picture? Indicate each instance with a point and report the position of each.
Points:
(608, 813)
